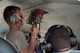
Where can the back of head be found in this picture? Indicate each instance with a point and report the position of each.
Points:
(59, 37)
(8, 11)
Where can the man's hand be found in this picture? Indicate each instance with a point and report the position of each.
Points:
(34, 30)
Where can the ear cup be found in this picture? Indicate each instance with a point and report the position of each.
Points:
(14, 19)
(73, 40)
(73, 37)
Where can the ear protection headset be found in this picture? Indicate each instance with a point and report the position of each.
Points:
(72, 36)
(14, 18)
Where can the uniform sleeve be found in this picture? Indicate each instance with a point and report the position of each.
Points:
(20, 40)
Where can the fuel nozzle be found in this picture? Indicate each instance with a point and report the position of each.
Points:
(36, 16)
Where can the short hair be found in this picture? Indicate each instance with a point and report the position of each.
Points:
(8, 11)
(59, 37)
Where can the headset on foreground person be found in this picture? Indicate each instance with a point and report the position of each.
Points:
(60, 39)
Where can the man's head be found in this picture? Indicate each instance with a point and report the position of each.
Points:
(59, 37)
(12, 15)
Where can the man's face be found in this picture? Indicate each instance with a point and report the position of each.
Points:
(20, 22)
